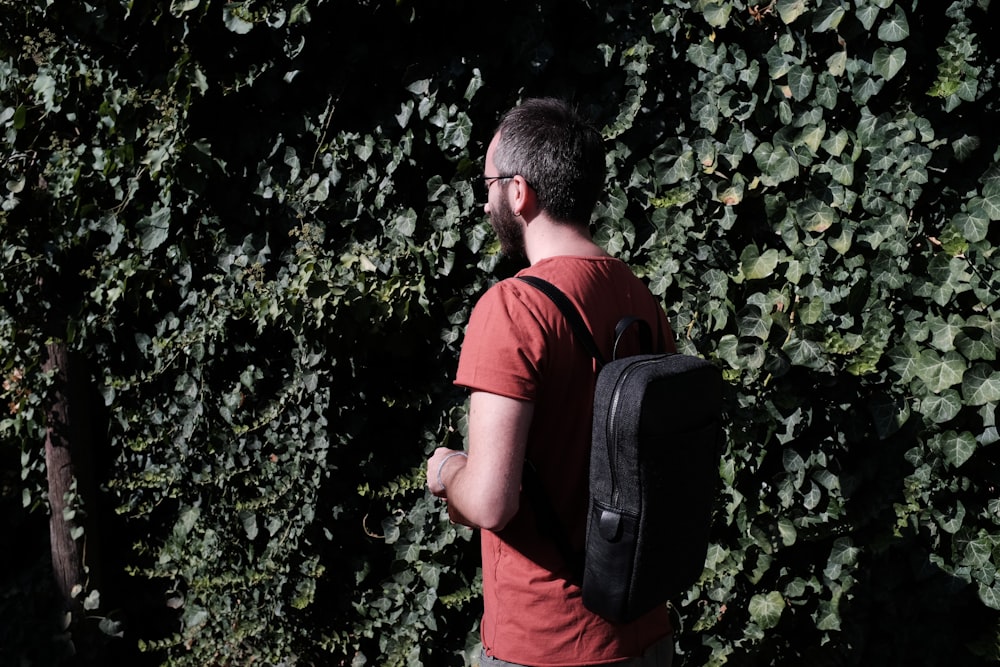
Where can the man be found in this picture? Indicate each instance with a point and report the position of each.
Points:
(532, 389)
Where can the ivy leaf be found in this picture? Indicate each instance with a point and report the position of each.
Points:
(957, 447)
(715, 555)
(778, 62)
(866, 87)
(776, 165)
(895, 29)
(754, 322)
(457, 133)
(836, 64)
(844, 552)
(888, 414)
(989, 205)
(700, 53)
(789, 10)
(232, 19)
(681, 169)
(866, 15)
(815, 215)
(887, 63)
(717, 14)
(978, 552)
(835, 144)
(943, 407)
(943, 332)
(662, 22)
(991, 182)
(942, 372)
(755, 265)
(249, 520)
(981, 385)
(964, 147)
(787, 531)
(990, 594)
(178, 7)
(154, 228)
(800, 81)
(406, 223)
(975, 343)
(765, 610)
(948, 276)
(186, 521)
(807, 353)
(827, 616)
(827, 18)
(973, 225)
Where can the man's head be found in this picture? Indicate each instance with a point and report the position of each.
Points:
(557, 152)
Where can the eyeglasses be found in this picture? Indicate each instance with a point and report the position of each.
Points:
(488, 181)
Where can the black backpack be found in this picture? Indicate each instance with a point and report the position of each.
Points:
(654, 470)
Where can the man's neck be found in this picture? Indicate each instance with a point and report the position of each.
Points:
(545, 238)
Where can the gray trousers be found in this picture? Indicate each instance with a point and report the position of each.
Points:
(660, 654)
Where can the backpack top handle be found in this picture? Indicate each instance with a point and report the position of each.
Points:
(645, 334)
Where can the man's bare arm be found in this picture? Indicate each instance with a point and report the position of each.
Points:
(483, 489)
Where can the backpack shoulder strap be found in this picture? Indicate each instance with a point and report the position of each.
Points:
(570, 312)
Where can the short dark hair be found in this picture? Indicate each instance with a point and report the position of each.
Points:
(558, 152)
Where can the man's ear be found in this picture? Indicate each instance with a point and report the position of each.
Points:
(522, 197)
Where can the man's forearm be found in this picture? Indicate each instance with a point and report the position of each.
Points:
(483, 489)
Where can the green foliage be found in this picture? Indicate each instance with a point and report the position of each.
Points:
(254, 224)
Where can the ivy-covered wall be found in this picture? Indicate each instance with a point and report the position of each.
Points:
(251, 229)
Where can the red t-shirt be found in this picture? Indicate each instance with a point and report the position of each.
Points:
(519, 345)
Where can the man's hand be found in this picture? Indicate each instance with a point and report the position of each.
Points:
(441, 466)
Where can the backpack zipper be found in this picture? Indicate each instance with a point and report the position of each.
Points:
(610, 429)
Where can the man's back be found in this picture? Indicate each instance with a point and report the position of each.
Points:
(519, 345)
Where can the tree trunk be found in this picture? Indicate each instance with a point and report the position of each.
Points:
(67, 564)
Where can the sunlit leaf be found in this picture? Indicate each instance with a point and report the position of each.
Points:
(957, 447)
(940, 371)
(765, 609)
(943, 407)
(755, 264)
(828, 18)
(844, 552)
(789, 10)
(154, 229)
(717, 13)
(973, 224)
(234, 18)
(776, 163)
(800, 81)
(887, 62)
(989, 593)
(827, 616)
(837, 63)
(815, 215)
(895, 28)
(979, 552)
(981, 385)
(988, 205)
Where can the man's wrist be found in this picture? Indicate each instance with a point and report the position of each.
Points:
(443, 462)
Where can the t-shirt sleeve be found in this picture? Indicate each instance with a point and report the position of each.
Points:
(503, 346)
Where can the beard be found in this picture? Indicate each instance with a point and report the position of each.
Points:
(508, 230)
